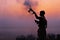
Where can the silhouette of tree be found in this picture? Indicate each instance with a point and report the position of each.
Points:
(20, 37)
(30, 37)
(58, 37)
(51, 37)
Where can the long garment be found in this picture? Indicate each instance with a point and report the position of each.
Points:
(41, 34)
(42, 29)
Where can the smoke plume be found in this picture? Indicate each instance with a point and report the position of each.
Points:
(30, 3)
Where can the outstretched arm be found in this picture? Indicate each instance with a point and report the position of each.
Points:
(36, 16)
(33, 13)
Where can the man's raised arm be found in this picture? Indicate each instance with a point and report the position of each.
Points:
(33, 13)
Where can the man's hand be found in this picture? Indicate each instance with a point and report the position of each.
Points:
(33, 12)
(37, 21)
(30, 10)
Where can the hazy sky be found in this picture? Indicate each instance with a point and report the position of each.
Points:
(14, 16)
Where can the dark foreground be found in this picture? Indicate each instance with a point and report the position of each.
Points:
(31, 37)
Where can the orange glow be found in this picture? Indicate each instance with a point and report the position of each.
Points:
(51, 7)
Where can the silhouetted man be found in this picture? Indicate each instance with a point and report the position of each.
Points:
(42, 24)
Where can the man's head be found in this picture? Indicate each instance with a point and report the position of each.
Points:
(42, 13)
